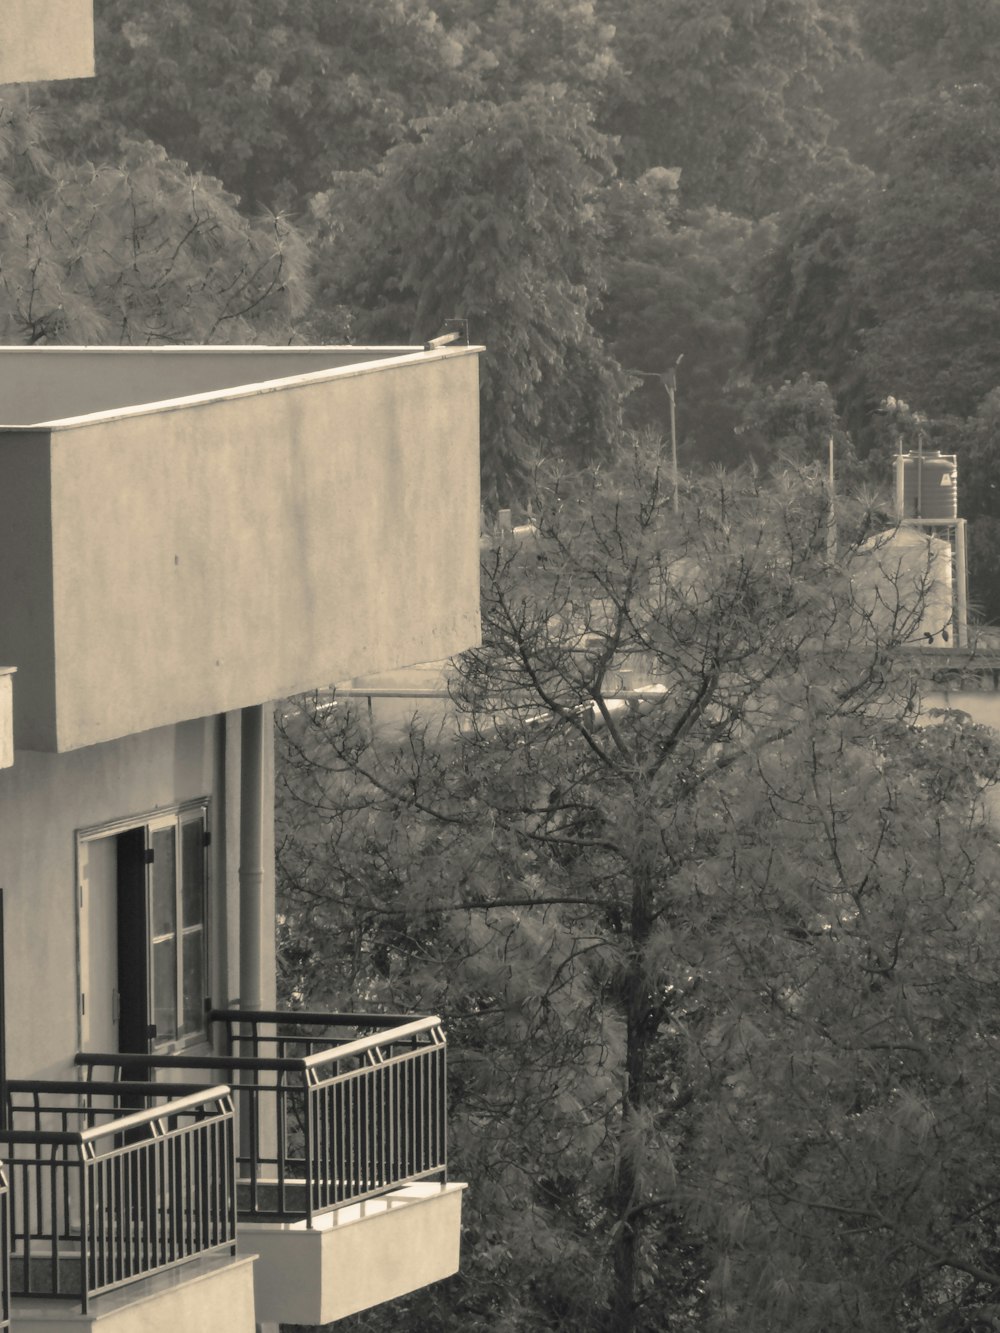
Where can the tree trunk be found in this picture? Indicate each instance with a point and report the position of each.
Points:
(641, 1008)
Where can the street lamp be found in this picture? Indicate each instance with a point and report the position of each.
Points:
(669, 381)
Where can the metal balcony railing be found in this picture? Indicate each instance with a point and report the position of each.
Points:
(4, 1250)
(111, 1182)
(333, 1109)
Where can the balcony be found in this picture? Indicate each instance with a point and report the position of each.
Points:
(123, 1197)
(257, 522)
(46, 39)
(342, 1188)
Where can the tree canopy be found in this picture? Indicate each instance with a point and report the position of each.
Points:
(726, 91)
(271, 99)
(696, 942)
(137, 252)
(491, 216)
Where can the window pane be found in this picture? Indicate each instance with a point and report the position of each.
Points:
(164, 882)
(165, 988)
(194, 981)
(193, 872)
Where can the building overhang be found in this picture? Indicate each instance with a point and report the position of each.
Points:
(46, 39)
(275, 520)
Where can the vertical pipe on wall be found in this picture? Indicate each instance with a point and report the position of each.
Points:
(3, 1031)
(251, 875)
(961, 585)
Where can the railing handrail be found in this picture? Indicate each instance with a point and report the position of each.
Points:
(111, 1087)
(274, 1064)
(48, 1137)
(288, 1064)
(308, 1017)
(219, 1093)
(362, 1044)
(134, 1120)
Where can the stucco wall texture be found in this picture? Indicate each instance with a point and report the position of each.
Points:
(191, 557)
(47, 800)
(46, 39)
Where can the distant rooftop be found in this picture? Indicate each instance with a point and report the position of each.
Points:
(976, 667)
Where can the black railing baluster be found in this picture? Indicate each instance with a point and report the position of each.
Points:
(281, 1135)
(127, 1194)
(53, 1204)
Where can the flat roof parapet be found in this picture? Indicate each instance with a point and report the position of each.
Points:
(66, 385)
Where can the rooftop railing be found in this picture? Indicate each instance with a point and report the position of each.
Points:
(111, 1182)
(334, 1109)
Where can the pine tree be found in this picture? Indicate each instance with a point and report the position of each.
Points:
(719, 957)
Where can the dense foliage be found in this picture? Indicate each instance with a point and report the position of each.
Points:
(489, 215)
(699, 952)
(139, 251)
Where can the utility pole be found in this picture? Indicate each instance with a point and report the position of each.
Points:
(670, 384)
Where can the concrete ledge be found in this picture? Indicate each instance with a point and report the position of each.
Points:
(356, 1257)
(46, 39)
(213, 1295)
(243, 545)
(6, 717)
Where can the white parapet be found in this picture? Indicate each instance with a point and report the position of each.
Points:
(357, 1257)
(212, 1295)
(6, 716)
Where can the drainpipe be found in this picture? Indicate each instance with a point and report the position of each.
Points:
(251, 853)
(251, 878)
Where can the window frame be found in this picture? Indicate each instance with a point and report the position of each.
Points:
(173, 817)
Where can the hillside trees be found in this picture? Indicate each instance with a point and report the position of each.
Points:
(516, 47)
(679, 284)
(137, 252)
(275, 97)
(269, 98)
(489, 216)
(894, 288)
(927, 42)
(728, 92)
(718, 959)
(891, 286)
(927, 260)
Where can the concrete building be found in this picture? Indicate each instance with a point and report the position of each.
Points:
(46, 39)
(187, 534)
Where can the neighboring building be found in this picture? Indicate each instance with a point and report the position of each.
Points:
(966, 681)
(187, 534)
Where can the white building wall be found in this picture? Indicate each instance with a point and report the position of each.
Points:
(45, 800)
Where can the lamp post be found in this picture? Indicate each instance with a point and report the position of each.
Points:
(669, 381)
